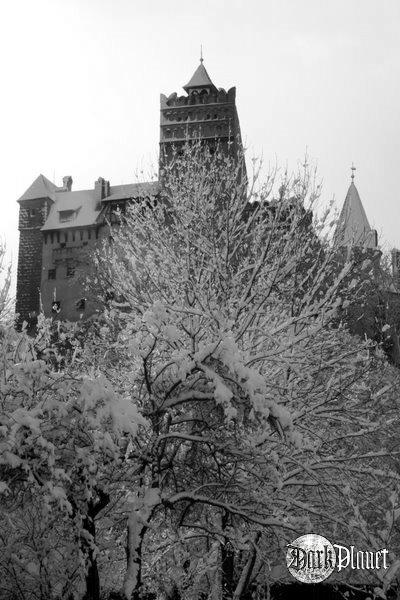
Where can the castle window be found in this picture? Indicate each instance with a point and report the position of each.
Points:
(45, 238)
(73, 236)
(58, 237)
(66, 215)
(32, 212)
(89, 234)
(62, 245)
(56, 306)
(70, 270)
(52, 237)
(81, 234)
(51, 274)
(81, 304)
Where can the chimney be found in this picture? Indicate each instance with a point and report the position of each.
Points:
(396, 267)
(374, 238)
(67, 183)
(101, 189)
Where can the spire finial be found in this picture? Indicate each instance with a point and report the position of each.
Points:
(201, 53)
(353, 168)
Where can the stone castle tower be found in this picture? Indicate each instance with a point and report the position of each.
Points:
(34, 207)
(205, 113)
(59, 226)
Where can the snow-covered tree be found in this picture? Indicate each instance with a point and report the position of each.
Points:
(215, 410)
(261, 412)
(63, 434)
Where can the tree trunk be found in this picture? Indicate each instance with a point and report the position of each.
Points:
(245, 577)
(92, 578)
(227, 563)
(92, 574)
(136, 528)
(134, 542)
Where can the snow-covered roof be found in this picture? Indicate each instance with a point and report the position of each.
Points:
(133, 190)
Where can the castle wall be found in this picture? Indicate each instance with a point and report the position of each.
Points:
(65, 260)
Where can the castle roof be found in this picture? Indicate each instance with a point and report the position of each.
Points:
(40, 188)
(145, 189)
(81, 206)
(199, 79)
(353, 228)
(81, 209)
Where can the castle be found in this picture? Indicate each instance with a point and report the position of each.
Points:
(59, 226)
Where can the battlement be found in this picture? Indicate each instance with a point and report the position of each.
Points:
(219, 97)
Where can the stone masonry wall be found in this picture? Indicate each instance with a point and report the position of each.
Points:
(32, 215)
(29, 272)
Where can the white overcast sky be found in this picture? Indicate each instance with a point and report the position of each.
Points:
(81, 80)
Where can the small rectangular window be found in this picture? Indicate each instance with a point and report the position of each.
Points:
(51, 274)
(70, 270)
(81, 304)
(66, 215)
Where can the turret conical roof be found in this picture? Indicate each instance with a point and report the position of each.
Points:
(199, 79)
(353, 228)
(40, 188)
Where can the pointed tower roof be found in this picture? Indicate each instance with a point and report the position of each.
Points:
(353, 228)
(40, 188)
(200, 80)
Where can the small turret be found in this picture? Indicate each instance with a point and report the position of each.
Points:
(200, 81)
(353, 229)
(34, 206)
